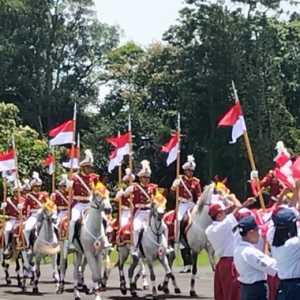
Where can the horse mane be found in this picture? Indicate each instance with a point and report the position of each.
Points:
(205, 198)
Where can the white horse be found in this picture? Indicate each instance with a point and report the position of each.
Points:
(153, 246)
(46, 243)
(195, 236)
(91, 243)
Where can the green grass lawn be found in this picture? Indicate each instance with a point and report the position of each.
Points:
(202, 259)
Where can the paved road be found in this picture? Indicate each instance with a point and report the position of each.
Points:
(204, 287)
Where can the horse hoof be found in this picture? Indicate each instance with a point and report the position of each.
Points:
(8, 281)
(35, 290)
(77, 298)
(193, 294)
(145, 287)
(166, 291)
(123, 289)
(59, 290)
(160, 287)
(24, 289)
(154, 298)
(177, 291)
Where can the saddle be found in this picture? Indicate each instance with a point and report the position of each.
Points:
(170, 219)
(18, 237)
(123, 236)
(63, 228)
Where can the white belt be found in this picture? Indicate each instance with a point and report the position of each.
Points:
(184, 200)
(139, 205)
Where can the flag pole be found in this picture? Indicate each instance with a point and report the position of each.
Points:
(119, 185)
(20, 234)
(54, 169)
(130, 178)
(70, 192)
(177, 176)
(250, 153)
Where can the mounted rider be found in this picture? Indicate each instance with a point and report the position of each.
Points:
(141, 195)
(33, 204)
(12, 207)
(123, 200)
(82, 192)
(189, 190)
(61, 198)
(83, 184)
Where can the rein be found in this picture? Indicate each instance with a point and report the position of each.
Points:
(156, 231)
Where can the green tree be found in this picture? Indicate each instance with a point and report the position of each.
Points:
(51, 54)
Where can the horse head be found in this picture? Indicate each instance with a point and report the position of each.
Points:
(158, 206)
(100, 198)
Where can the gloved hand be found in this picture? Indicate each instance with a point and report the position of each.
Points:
(254, 174)
(176, 183)
(20, 206)
(3, 205)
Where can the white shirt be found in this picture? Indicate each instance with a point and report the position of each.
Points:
(252, 264)
(220, 235)
(287, 256)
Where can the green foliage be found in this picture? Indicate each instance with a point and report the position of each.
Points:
(30, 148)
(51, 54)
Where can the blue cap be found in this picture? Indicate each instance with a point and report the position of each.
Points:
(284, 216)
(246, 224)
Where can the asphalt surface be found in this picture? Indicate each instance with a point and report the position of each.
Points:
(204, 286)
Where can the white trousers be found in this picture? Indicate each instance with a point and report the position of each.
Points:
(77, 209)
(9, 225)
(183, 208)
(125, 216)
(140, 220)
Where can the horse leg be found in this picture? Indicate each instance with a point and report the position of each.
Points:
(37, 274)
(135, 261)
(95, 265)
(123, 255)
(18, 267)
(194, 273)
(169, 275)
(62, 262)
(142, 273)
(152, 277)
(5, 266)
(211, 256)
(76, 274)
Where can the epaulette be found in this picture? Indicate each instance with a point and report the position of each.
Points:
(195, 178)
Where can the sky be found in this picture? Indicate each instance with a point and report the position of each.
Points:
(142, 21)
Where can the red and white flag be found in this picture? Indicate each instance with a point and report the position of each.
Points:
(234, 117)
(284, 167)
(48, 162)
(62, 134)
(7, 161)
(121, 144)
(171, 147)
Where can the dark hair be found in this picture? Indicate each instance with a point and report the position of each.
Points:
(283, 233)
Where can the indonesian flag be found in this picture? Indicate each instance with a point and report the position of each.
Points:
(48, 162)
(296, 168)
(62, 134)
(234, 117)
(284, 169)
(7, 161)
(171, 147)
(121, 144)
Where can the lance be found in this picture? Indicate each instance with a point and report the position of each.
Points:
(70, 192)
(250, 153)
(177, 176)
(130, 178)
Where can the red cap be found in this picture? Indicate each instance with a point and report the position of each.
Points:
(214, 209)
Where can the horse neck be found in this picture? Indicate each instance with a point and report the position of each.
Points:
(155, 223)
(46, 232)
(94, 219)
